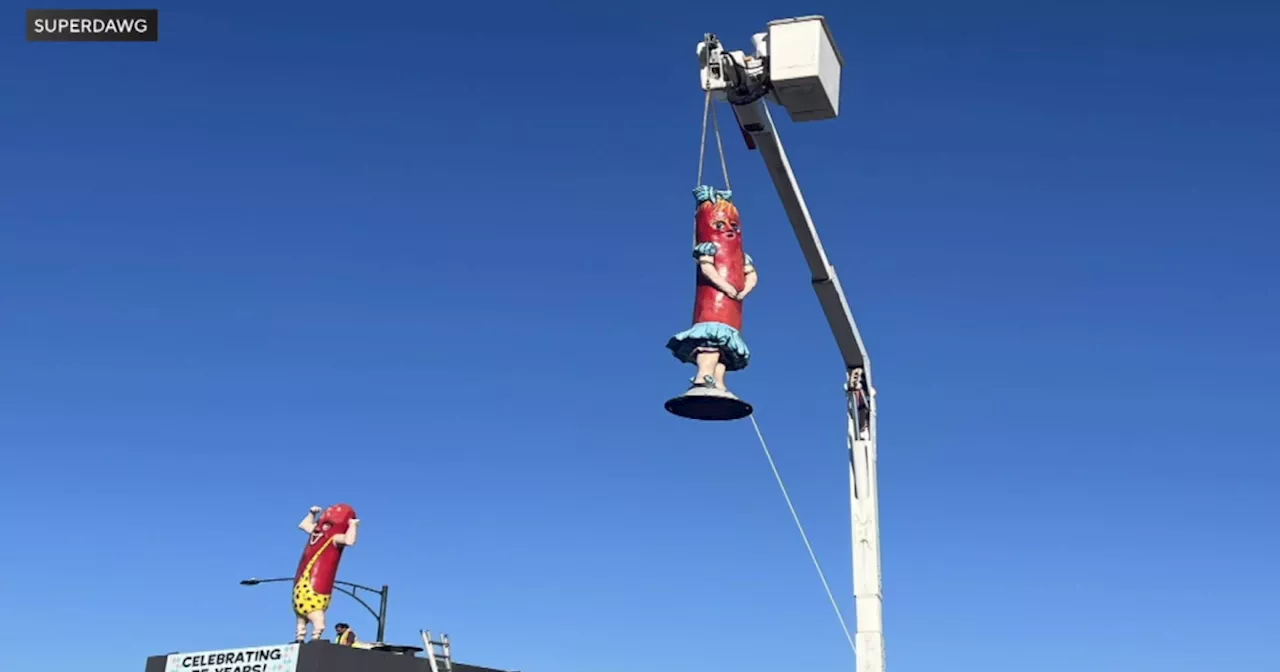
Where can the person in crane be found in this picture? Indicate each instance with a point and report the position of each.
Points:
(861, 404)
(726, 275)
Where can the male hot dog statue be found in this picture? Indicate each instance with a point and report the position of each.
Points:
(726, 275)
(313, 584)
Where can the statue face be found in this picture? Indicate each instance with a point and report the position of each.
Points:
(720, 223)
(333, 521)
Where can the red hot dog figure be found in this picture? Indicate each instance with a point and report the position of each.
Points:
(313, 584)
(725, 276)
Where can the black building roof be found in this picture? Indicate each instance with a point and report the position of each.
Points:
(322, 656)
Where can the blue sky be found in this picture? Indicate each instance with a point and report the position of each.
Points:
(425, 261)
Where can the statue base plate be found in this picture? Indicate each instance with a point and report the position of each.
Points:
(705, 403)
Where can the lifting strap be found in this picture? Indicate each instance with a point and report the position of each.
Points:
(708, 110)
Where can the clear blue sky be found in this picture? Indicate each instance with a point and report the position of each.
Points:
(425, 261)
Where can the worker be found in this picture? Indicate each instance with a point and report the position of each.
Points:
(346, 636)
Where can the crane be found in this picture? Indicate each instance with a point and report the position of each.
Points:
(796, 65)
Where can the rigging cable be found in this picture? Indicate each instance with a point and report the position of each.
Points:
(796, 517)
(724, 165)
(702, 146)
(708, 110)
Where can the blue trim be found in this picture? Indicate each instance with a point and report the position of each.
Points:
(703, 193)
(705, 250)
(734, 353)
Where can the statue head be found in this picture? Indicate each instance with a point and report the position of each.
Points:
(335, 520)
(717, 219)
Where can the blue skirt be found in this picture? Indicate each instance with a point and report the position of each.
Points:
(734, 353)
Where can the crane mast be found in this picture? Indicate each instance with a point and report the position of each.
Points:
(796, 65)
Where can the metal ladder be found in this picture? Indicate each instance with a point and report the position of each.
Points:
(442, 661)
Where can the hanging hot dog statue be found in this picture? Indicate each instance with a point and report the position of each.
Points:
(714, 344)
(334, 531)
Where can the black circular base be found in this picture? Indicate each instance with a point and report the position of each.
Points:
(708, 407)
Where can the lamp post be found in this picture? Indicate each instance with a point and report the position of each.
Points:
(350, 589)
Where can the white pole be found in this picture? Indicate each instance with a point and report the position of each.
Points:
(864, 505)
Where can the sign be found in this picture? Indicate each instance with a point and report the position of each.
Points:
(274, 658)
(93, 25)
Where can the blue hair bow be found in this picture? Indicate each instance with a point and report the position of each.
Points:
(704, 193)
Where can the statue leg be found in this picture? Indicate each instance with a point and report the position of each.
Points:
(302, 629)
(708, 362)
(317, 624)
(720, 370)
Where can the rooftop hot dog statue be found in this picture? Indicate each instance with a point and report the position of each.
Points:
(725, 276)
(328, 536)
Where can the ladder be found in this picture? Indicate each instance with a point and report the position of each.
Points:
(442, 661)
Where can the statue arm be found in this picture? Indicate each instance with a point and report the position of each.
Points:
(707, 265)
(750, 281)
(349, 537)
(308, 524)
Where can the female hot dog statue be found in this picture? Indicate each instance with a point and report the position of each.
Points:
(313, 583)
(725, 276)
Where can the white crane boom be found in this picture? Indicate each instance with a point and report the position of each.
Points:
(797, 65)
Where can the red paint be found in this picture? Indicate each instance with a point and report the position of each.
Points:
(718, 222)
(333, 522)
